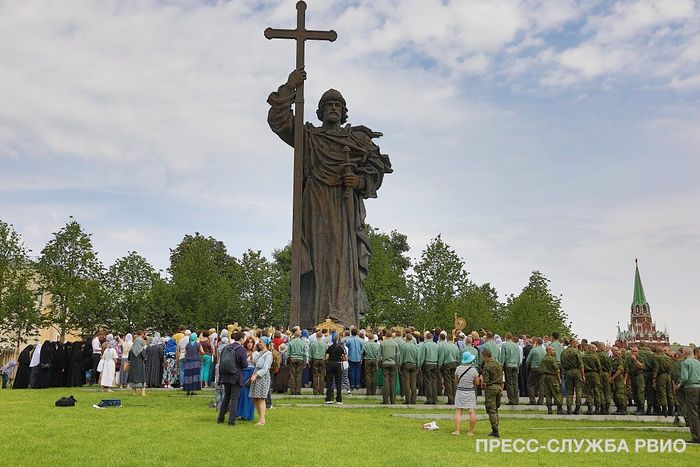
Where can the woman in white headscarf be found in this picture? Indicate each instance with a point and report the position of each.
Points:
(107, 366)
(124, 365)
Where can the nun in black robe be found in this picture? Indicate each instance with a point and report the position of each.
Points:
(87, 360)
(58, 377)
(46, 364)
(76, 371)
(23, 371)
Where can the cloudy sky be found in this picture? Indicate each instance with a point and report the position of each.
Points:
(553, 135)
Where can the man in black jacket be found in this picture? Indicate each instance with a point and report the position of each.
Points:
(233, 381)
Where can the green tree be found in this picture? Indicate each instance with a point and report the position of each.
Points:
(281, 293)
(20, 313)
(204, 280)
(92, 311)
(438, 281)
(259, 278)
(536, 311)
(163, 312)
(388, 292)
(67, 266)
(129, 282)
(480, 307)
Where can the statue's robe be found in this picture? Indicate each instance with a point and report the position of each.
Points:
(331, 285)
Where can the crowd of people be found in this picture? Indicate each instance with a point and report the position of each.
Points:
(247, 365)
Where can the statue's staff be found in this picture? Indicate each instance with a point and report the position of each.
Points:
(301, 35)
(349, 169)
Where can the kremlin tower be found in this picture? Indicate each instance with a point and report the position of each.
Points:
(641, 328)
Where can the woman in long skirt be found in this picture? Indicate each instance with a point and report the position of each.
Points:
(154, 363)
(109, 364)
(260, 380)
(123, 367)
(170, 363)
(137, 367)
(281, 379)
(193, 366)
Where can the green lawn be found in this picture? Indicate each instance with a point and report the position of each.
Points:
(166, 427)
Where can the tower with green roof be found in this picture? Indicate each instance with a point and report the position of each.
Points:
(641, 327)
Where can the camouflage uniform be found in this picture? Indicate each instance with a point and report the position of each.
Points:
(592, 387)
(619, 390)
(649, 389)
(572, 364)
(606, 390)
(664, 389)
(678, 397)
(552, 387)
(637, 381)
(492, 375)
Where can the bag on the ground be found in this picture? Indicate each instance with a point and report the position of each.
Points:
(227, 363)
(66, 402)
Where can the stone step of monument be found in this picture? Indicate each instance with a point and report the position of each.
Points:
(348, 403)
(544, 416)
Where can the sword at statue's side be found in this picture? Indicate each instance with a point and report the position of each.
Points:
(301, 35)
(349, 169)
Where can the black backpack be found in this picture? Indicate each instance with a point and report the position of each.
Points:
(227, 360)
(66, 402)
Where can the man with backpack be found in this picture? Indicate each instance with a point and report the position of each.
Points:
(232, 361)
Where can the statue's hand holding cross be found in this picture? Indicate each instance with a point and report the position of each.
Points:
(296, 77)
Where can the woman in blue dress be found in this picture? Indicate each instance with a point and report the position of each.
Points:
(193, 366)
(245, 403)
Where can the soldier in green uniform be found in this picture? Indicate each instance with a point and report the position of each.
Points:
(617, 381)
(390, 359)
(491, 345)
(409, 369)
(534, 378)
(552, 381)
(420, 384)
(296, 349)
(448, 356)
(492, 382)
(510, 359)
(317, 351)
(592, 387)
(662, 379)
(429, 356)
(604, 377)
(370, 354)
(572, 363)
(635, 369)
(649, 392)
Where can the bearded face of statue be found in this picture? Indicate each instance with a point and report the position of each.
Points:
(332, 110)
(332, 113)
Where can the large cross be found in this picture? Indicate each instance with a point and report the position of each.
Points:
(301, 35)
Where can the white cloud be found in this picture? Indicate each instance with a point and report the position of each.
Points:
(591, 60)
(628, 19)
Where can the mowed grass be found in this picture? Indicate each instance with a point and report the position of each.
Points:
(168, 428)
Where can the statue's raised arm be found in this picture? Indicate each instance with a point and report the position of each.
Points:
(280, 116)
